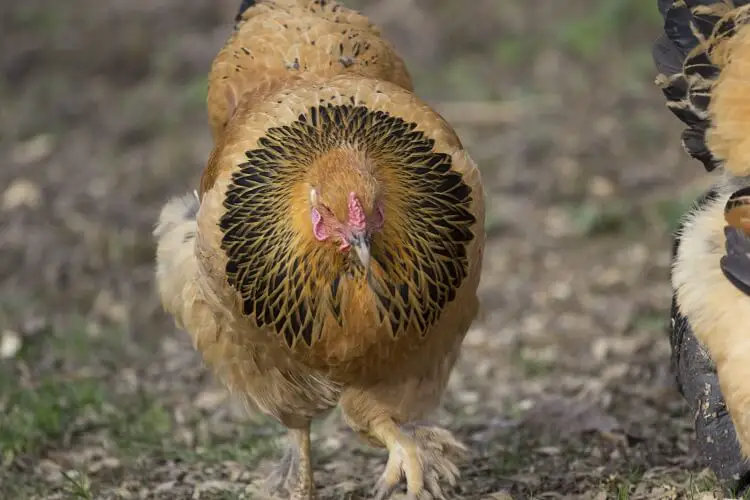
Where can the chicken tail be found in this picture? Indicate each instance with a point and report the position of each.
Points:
(246, 4)
(176, 264)
(703, 59)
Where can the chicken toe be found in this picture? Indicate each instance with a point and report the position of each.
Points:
(425, 455)
(293, 478)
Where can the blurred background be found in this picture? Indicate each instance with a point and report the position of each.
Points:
(563, 386)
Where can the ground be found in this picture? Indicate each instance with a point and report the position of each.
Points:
(563, 389)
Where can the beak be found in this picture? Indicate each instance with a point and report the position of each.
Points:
(361, 246)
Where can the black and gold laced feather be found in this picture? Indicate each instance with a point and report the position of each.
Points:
(420, 257)
(683, 56)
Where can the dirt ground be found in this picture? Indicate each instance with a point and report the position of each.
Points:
(563, 389)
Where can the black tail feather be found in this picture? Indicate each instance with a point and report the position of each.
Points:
(246, 4)
(682, 55)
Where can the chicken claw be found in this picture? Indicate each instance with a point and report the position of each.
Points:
(292, 477)
(424, 454)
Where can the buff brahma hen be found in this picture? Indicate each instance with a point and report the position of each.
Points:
(332, 253)
(704, 63)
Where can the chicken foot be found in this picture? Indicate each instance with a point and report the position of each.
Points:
(293, 475)
(424, 454)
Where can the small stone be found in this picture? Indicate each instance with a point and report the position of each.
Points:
(476, 336)
(102, 464)
(34, 325)
(21, 193)
(560, 290)
(708, 496)
(50, 471)
(164, 487)
(10, 344)
(210, 400)
(601, 187)
(109, 307)
(549, 450)
(467, 397)
(35, 149)
(600, 349)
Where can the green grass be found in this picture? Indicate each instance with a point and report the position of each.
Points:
(532, 367)
(620, 487)
(589, 36)
(144, 424)
(35, 417)
(78, 485)
(653, 321)
(41, 20)
(247, 448)
(600, 218)
(673, 210)
(49, 414)
(596, 218)
(195, 92)
(529, 363)
(513, 50)
(58, 414)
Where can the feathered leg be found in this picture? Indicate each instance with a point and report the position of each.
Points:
(385, 414)
(293, 475)
(423, 454)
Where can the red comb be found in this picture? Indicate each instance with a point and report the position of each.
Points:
(357, 217)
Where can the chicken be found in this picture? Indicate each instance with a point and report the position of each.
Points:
(704, 62)
(332, 254)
